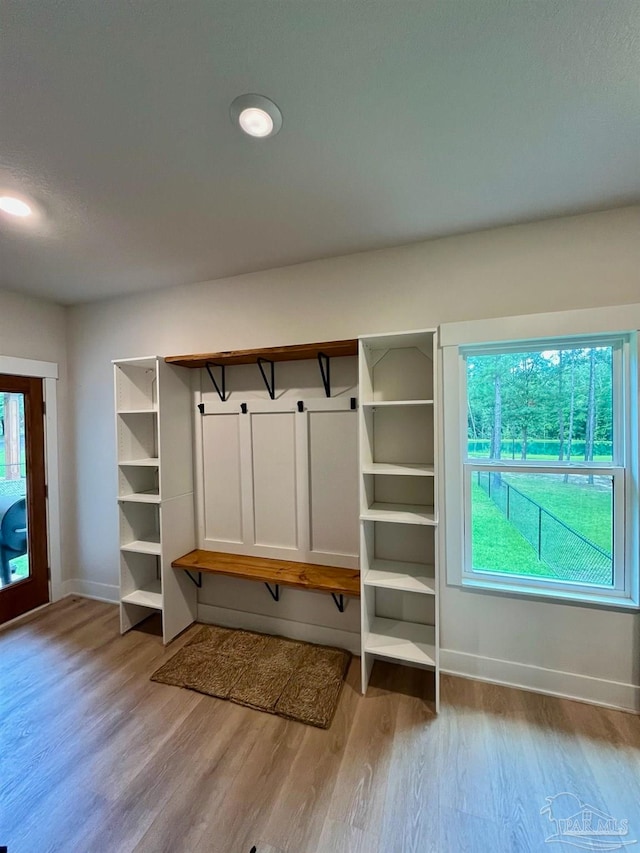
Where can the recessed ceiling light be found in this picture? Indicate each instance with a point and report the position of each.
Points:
(256, 122)
(256, 115)
(14, 206)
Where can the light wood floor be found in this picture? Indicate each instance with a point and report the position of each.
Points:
(95, 757)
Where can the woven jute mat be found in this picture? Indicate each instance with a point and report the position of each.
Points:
(296, 680)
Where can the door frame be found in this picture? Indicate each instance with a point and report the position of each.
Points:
(48, 372)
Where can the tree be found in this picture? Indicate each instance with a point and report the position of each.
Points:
(572, 403)
(496, 433)
(561, 397)
(591, 412)
(560, 406)
(525, 396)
(12, 436)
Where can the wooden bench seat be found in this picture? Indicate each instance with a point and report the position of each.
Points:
(280, 572)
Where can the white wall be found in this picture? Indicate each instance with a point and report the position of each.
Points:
(583, 261)
(36, 329)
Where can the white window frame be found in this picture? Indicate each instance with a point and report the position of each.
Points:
(576, 329)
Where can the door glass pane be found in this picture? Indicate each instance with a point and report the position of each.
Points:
(14, 559)
(556, 527)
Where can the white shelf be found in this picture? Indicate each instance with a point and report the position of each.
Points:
(148, 411)
(141, 497)
(371, 404)
(407, 577)
(142, 546)
(149, 596)
(140, 463)
(407, 642)
(400, 513)
(407, 469)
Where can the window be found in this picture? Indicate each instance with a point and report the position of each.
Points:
(547, 467)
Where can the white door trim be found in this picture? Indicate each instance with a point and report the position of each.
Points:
(28, 367)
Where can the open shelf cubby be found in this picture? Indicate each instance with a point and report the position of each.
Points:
(403, 499)
(398, 436)
(139, 483)
(401, 626)
(140, 579)
(398, 371)
(140, 527)
(398, 556)
(137, 387)
(137, 436)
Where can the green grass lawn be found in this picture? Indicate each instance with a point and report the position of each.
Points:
(21, 566)
(498, 545)
(586, 509)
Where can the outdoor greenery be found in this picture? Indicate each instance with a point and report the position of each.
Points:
(20, 567)
(3, 399)
(496, 544)
(587, 509)
(539, 449)
(551, 404)
(23, 464)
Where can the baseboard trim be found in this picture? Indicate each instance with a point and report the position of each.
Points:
(209, 613)
(91, 589)
(536, 679)
(616, 695)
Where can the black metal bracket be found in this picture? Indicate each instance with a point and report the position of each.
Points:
(271, 385)
(222, 392)
(275, 595)
(324, 362)
(243, 408)
(198, 582)
(201, 408)
(354, 404)
(300, 406)
(338, 600)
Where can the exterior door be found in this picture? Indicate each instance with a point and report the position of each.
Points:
(24, 582)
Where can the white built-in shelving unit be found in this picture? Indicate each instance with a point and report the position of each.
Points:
(399, 501)
(155, 491)
(398, 491)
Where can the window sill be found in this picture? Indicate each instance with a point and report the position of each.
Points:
(611, 602)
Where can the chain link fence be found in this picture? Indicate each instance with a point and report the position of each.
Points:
(569, 555)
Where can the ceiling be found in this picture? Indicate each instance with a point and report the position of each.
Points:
(402, 121)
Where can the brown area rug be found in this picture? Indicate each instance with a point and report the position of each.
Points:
(296, 680)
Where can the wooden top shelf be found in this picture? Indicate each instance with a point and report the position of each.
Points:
(297, 352)
(283, 572)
